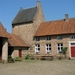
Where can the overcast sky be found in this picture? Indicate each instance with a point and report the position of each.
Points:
(52, 9)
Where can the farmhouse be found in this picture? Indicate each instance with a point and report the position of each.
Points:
(52, 36)
(32, 35)
(44, 38)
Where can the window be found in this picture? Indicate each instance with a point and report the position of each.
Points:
(72, 44)
(72, 36)
(37, 48)
(60, 46)
(37, 39)
(59, 37)
(48, 38)
(48, 48)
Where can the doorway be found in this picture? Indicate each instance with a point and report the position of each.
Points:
(20, 53)
(72, 49)
(1, 45)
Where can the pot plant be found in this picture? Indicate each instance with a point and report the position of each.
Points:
(64, 51)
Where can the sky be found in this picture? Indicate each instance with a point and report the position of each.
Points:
(52, 9)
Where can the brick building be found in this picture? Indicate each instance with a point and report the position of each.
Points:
(44, 38)
(54, 35)
(10, 44)
(26, 23)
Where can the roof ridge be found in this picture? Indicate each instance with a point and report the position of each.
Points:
(28, 8)
(57, 20)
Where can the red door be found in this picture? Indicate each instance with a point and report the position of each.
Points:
(20, 53)
(73, 51)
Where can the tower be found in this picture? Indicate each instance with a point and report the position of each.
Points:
(27, 22)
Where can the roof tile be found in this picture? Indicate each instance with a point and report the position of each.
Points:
(56, 27)
(3, 32)
(15, 40)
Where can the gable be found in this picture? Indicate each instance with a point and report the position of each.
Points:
(24, 16)
(56, 27)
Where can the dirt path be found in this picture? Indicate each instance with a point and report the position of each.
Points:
(55, 67)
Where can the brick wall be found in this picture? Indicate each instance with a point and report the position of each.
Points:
(5, 50)
(66, 39)
(16, 52)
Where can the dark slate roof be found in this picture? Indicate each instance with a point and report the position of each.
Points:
(24, 16)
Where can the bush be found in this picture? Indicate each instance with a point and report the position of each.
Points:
(18, 59)
(10, 59)
(64, 50)
(27, 57)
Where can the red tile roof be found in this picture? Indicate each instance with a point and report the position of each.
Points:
(3, 32)
(16, 41)
(56, 27)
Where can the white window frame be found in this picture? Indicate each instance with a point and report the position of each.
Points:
(59, 37)
(60, 47)
(37, 48)
(48, 48)
(72, 36)
(37, 39)
(48, 38)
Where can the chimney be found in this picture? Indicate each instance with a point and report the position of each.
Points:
(38, 4)
(66, 18)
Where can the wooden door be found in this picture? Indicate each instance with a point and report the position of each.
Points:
(73, 51)
(20, 53)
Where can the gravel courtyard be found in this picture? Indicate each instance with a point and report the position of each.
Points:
(34, 67)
